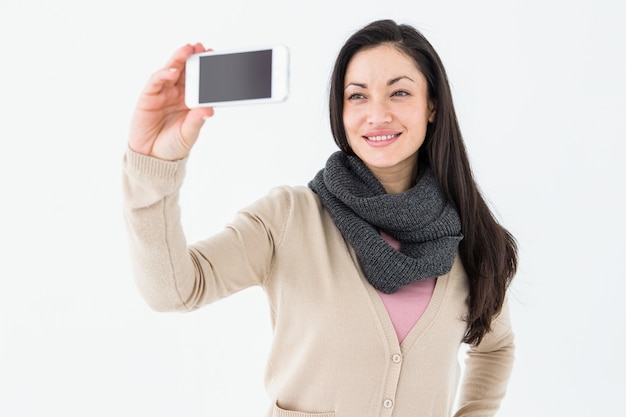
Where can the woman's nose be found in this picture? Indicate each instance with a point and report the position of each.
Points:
(379, 112)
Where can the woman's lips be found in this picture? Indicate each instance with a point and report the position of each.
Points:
(380, 138)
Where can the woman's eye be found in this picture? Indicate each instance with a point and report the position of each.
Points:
(355, 96)
(401, 93)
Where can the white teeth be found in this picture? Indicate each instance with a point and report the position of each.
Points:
(379, 138)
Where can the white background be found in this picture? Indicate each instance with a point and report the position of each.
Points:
(540, 90)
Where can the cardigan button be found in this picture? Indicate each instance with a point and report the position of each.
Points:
(387, 403)
(396, 358)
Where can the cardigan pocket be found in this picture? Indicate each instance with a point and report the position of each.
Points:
(281, 412)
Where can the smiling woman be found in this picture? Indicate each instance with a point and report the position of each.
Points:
(386, 114)
(376, 272)
(488, 251)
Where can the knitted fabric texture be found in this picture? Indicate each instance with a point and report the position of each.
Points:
(427, 226)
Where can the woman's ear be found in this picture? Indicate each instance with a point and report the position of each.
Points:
(432, 107)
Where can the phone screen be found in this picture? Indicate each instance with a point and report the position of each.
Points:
(235, 76)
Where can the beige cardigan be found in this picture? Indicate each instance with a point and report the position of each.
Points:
(335, 351)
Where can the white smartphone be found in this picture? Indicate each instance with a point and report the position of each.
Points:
(231, 77)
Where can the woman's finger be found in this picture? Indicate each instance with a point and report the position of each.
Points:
(178, 59)
(194, 121)
(160, 79)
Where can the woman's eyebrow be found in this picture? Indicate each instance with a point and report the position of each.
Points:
(390, 82)
(355, 84)
(402, 77)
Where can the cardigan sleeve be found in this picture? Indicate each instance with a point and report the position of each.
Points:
(488, 369)
(174, 276)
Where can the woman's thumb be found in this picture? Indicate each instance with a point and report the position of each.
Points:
(194, 121)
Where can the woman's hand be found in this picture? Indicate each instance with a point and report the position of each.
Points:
(162, 125)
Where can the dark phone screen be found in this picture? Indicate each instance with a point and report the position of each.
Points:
(236, 76)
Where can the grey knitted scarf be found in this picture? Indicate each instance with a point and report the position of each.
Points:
(421, 219)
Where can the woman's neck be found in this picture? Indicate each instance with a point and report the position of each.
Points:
(397, 179)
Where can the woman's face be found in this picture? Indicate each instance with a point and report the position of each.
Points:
(386, 110)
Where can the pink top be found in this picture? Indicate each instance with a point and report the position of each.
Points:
(406, 306)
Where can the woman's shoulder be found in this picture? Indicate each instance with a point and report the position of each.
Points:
(287, 200)
(294, 197)
(287, 211)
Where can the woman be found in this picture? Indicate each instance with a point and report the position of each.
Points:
(375, 273)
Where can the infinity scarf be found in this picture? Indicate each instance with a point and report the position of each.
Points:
(421, 219)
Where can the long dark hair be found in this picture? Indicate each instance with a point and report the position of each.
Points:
(488, 251)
